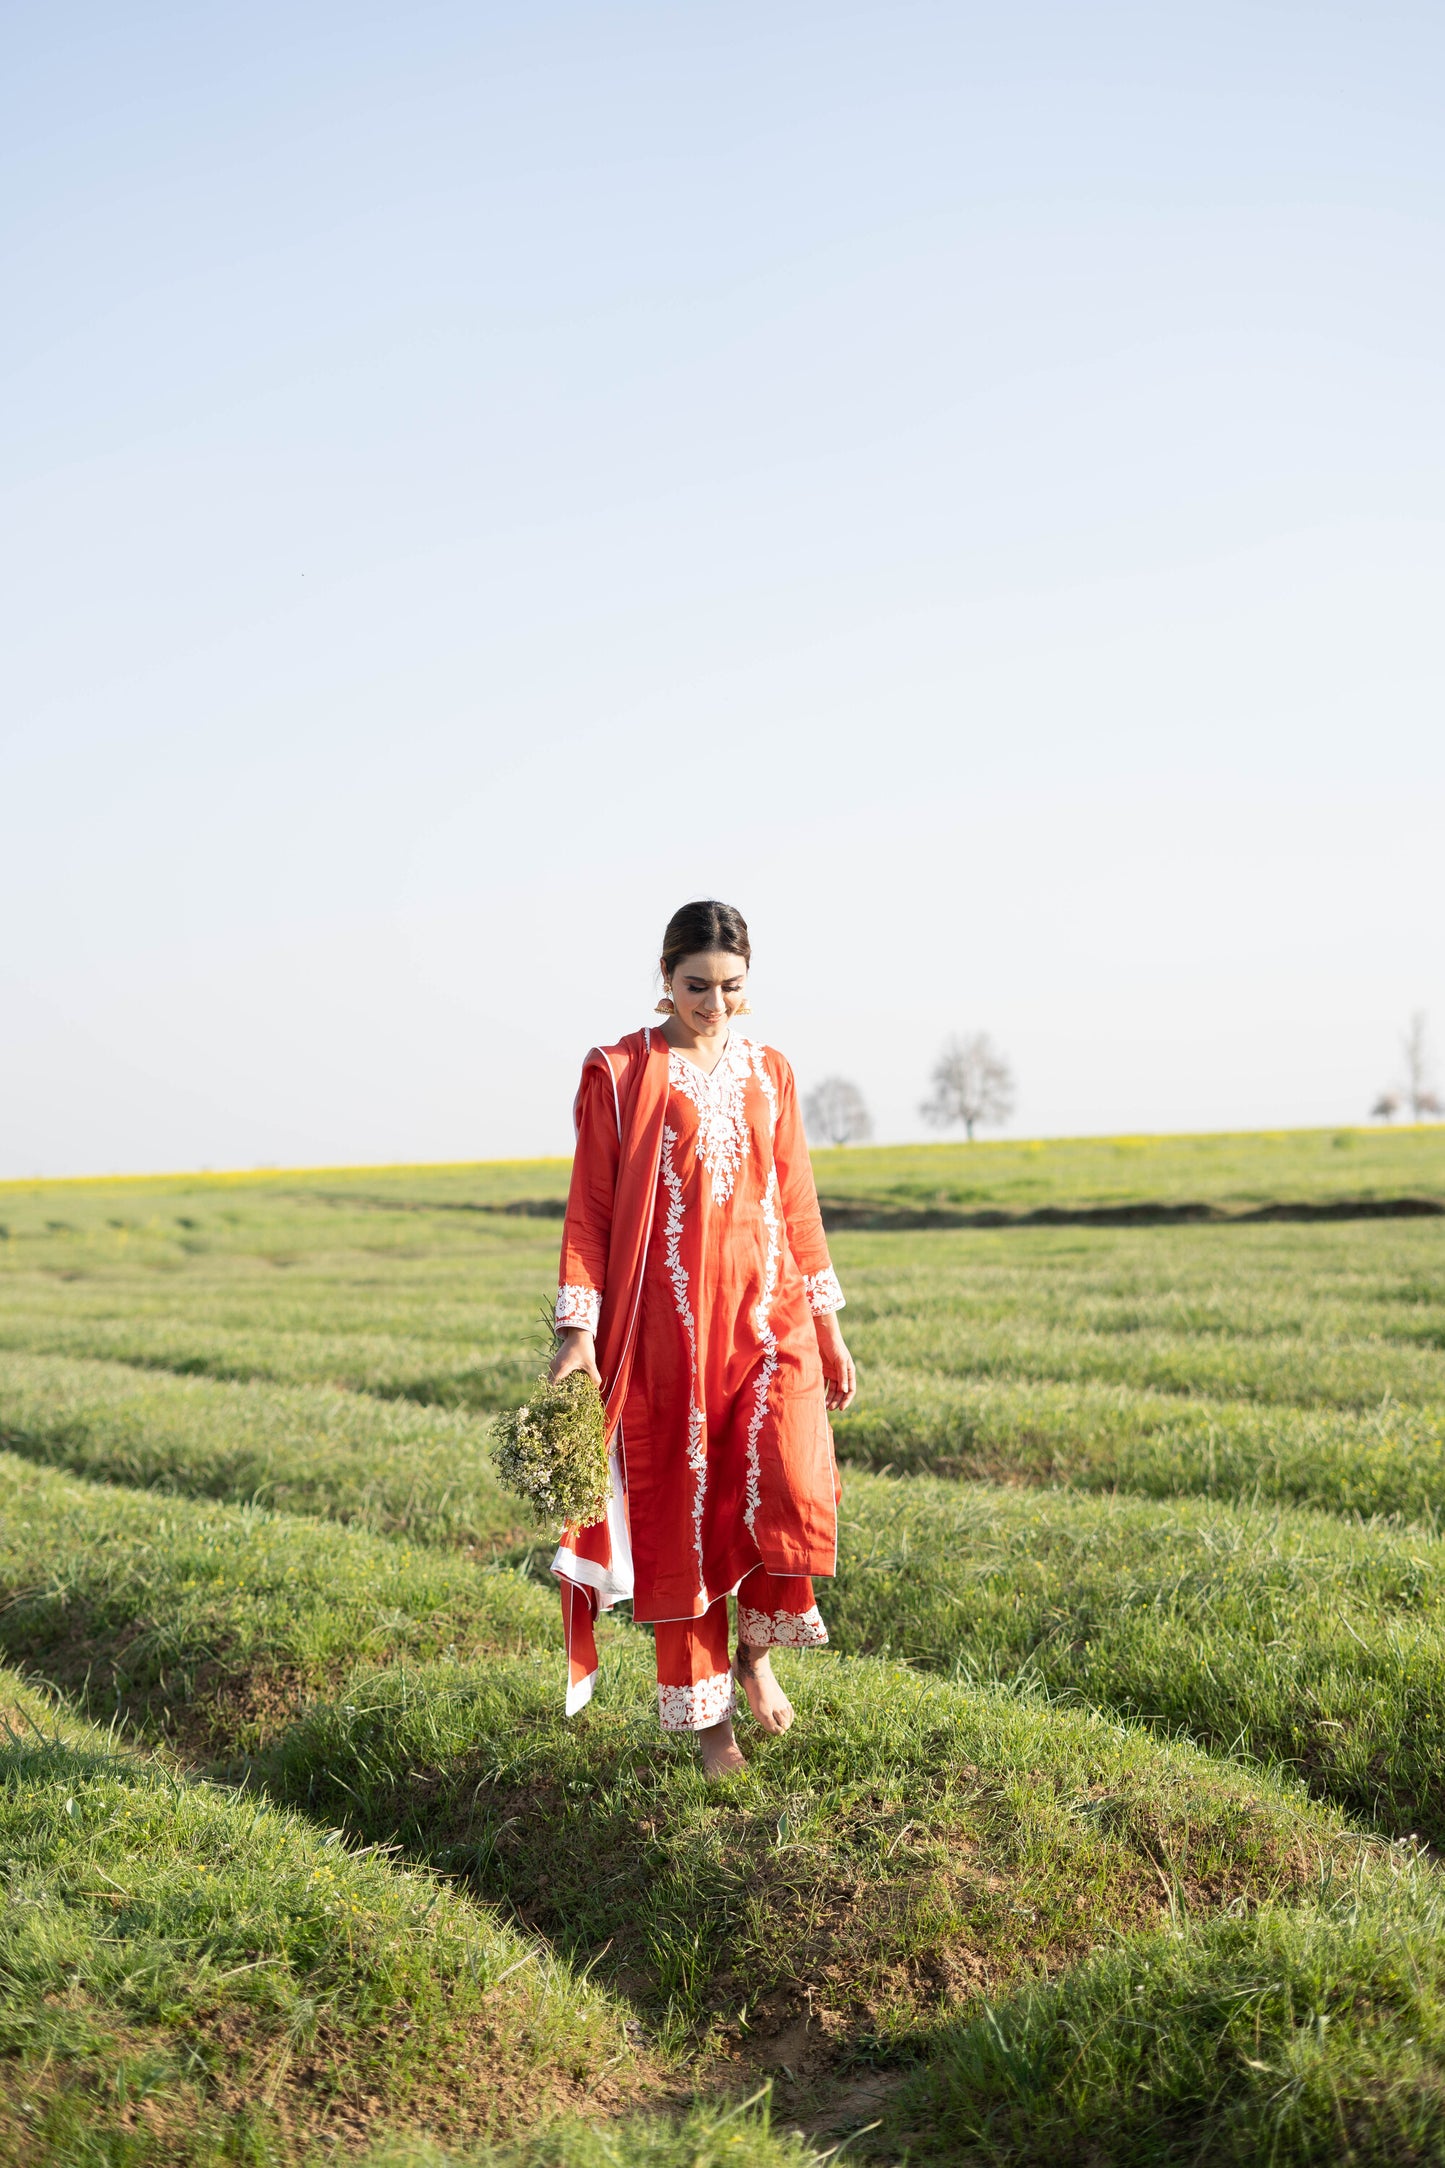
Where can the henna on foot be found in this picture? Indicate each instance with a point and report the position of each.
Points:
(753, 1670)
(721, 1754)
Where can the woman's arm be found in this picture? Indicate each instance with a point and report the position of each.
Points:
(587, 1229)
(809, 1244)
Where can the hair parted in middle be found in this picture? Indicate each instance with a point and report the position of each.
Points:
(698, 927)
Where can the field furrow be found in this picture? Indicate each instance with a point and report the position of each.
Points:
(1309, 2033)
(378, 1464)
(1291, 1637)
(907, 1847)
(190, 1975)
(210, 1622)
(910, 1844)
(1390, 1460)
(1092, 1838)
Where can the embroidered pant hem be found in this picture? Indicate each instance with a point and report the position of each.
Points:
(694, 1674)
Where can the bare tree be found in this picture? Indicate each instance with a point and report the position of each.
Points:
(1420, 1094)
(1417, 1092)
(972, 1083)
(835, 1111)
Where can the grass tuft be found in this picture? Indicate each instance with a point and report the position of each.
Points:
(740, 2135)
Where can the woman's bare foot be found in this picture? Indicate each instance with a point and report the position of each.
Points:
(721, 1754)
(769, 1704)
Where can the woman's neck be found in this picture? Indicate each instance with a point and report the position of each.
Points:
(703, 1052)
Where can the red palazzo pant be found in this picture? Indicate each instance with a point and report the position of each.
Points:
(694, 1674)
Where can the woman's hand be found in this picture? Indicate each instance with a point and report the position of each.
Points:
(840, 1379)
(577, 1351)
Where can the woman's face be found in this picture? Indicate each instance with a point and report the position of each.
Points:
(706, 990)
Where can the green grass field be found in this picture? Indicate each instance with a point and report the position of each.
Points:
(1107, 1832)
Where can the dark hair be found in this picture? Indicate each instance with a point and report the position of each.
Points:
(698, 927)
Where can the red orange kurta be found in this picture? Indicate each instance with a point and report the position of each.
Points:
(693, 1247)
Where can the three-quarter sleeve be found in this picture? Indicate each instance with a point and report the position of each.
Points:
(586, 1231)
(799, 1199)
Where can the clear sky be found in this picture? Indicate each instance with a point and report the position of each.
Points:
(966, 484)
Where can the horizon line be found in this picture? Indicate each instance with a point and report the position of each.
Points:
(265, 1170)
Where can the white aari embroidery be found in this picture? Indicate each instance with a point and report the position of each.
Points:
(769, 1364)
(758, 1063)
(677, 1273)
(781, 1629)
(577, 1306)
(696, 1708)
(823, 1292)
(720, 1096)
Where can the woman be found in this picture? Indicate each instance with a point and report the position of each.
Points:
(697, 1290)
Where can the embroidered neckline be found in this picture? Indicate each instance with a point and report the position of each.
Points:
(724, 1139)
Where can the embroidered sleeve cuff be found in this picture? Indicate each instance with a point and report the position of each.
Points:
(578, 1306)
(824, 1293)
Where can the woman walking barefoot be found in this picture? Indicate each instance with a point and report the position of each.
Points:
(697, 1290)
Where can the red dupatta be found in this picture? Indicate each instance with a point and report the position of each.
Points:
(593, 1565)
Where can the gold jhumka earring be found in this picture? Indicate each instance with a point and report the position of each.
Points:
(744, 1007)
(666, 1007)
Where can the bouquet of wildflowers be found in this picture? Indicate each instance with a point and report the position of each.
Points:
(552, 1451)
